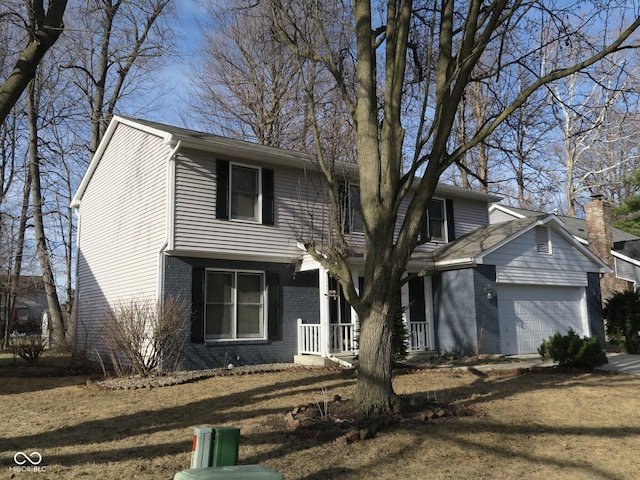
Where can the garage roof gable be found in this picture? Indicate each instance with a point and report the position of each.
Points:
(473, 248)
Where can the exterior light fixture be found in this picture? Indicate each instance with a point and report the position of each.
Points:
(489, 292)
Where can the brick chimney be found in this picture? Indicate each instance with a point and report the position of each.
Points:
(599, 233)
(600, 238)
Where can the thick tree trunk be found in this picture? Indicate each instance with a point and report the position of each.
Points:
(374, 390)
(55, 312)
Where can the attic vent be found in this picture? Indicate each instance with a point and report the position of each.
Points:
(543, 244)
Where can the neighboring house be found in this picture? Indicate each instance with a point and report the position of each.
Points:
(166, 211)
(620, 250)
(30, 304)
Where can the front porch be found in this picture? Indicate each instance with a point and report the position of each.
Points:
(336, 334)
(342, 339)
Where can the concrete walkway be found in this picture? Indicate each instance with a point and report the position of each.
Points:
(622, 362)
(618, 362)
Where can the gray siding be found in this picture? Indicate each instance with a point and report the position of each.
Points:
(521, 253)
(198, 231)
(299, 299)
(455, 312)
(487, 318)
(301, 212)
(498, 216)
(122, 227)
(465, 321)
(469, 215)
(627, 270)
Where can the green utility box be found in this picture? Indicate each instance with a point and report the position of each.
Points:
(215, 447)
(235, 472)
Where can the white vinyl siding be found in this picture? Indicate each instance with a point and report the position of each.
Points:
(122, 225)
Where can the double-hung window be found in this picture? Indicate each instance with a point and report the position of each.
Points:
(356, 223)
(245, 193)
(235, 305)
(436, 227)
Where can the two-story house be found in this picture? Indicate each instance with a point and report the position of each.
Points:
(166, 211)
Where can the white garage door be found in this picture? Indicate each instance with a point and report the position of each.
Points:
(531, 314)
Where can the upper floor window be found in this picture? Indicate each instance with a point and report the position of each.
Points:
(434, 226)
(244, 192)
(234, 305)
(351, 209)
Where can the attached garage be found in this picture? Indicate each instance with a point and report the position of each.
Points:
(530, 278)
(530, 314)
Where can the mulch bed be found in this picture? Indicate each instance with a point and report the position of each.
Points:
(337, 421)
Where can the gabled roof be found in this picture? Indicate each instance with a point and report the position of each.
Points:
(575, 226)
(181, 138)
(471, 249)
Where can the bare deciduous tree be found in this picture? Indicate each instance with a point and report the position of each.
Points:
(460, 36)
(44, 25)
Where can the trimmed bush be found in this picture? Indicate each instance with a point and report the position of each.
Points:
(622, 320)
(572, 351)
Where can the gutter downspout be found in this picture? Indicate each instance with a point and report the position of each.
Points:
(169, 217)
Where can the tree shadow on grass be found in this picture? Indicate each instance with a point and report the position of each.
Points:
(218, 409)
(272, 441)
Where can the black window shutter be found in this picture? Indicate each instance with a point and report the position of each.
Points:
(222, 189)
(197, 305)
(423, 236)
(451, 228)
(267, 197)
(274, 328)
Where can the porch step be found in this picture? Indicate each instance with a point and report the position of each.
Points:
(313, 361)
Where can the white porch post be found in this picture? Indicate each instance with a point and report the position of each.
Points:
(355, 320)
(323, 283)
(428, 305)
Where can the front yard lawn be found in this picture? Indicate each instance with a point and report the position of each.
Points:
(537, 426)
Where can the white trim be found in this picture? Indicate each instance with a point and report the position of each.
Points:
(254, 257)
(258, 219)
(265, 306)
(102, 146)
(428, 305)
(504, 209)
(323, 291)
(584, 310)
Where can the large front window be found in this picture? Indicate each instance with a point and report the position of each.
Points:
(245, 193)
(234, 305)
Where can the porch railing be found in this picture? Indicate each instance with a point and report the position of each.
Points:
(419, 335)
(308, 338)
(343, 338)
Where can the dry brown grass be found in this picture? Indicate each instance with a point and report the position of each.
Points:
(551, 425)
